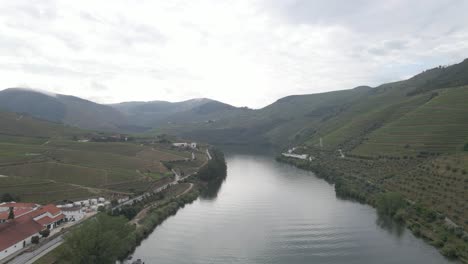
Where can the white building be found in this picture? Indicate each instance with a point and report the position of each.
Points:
(192, 145)
(296, 156)
(17, 234)
(180, 145)
(72, 214)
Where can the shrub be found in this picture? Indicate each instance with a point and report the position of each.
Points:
(35, 239)
(449, 251)
(45, 233)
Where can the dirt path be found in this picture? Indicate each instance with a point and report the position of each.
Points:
(98, 190)
(145, 210)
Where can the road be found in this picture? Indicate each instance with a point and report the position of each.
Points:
(208, 154)
(30, 257)
(177, 179)
(143, 212)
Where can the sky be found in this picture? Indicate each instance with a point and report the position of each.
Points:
(242, 52)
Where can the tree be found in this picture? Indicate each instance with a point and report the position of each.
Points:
(6, 197)
(99, 240)
(11, 214)
(45, 233)
(466, 147)
(390, 203)
(35, 239)
(114, 202)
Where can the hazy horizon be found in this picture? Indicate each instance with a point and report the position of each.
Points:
(244, 53)
(51, 93)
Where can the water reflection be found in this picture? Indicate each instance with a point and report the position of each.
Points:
(389, 224)
(211, 190)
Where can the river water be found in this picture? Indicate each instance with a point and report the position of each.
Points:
(269, 212)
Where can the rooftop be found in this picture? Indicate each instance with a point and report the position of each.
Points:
(16, 230)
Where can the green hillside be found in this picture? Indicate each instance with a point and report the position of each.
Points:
(439, 125)
(59, 108)
(43, 162)
(429, 105)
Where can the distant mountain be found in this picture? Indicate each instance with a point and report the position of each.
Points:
(158, 113)
(346, 119)
(65, 109)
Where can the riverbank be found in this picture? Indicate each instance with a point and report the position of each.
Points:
(212, 172)
(351, 182)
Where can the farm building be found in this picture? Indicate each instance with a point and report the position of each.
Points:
(17, 234)
(192, 145)
(74, 213)
(19, 209)
(29, 220)
(49, 216)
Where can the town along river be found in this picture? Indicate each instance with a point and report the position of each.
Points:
(269, 212)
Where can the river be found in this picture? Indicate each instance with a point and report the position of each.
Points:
(269, 212)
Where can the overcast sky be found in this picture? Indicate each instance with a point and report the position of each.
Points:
(246, 53)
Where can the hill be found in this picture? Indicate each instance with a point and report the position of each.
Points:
(348, 118)
(42, 162)
(155, 114)
(65, 109)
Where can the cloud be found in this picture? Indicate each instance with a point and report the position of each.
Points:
(243, 52)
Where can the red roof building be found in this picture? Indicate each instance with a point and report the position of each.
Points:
(17, 234)
(19, 209)
(50, 216)
(29, 220)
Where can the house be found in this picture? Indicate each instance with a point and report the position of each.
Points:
(192, 145)
(17, 234)
(74, 213)
(19, 209)
(180, 145)
(30, 219)
(49, 216)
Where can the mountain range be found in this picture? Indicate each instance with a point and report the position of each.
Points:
(354, 119)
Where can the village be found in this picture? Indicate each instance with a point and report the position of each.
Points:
(25, 226)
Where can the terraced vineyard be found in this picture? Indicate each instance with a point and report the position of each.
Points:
(45, 169)
(440, 126)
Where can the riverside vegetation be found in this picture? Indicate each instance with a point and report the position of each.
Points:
(372, 184)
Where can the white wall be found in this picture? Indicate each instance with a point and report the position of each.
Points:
(18, 246)
(77, 215)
